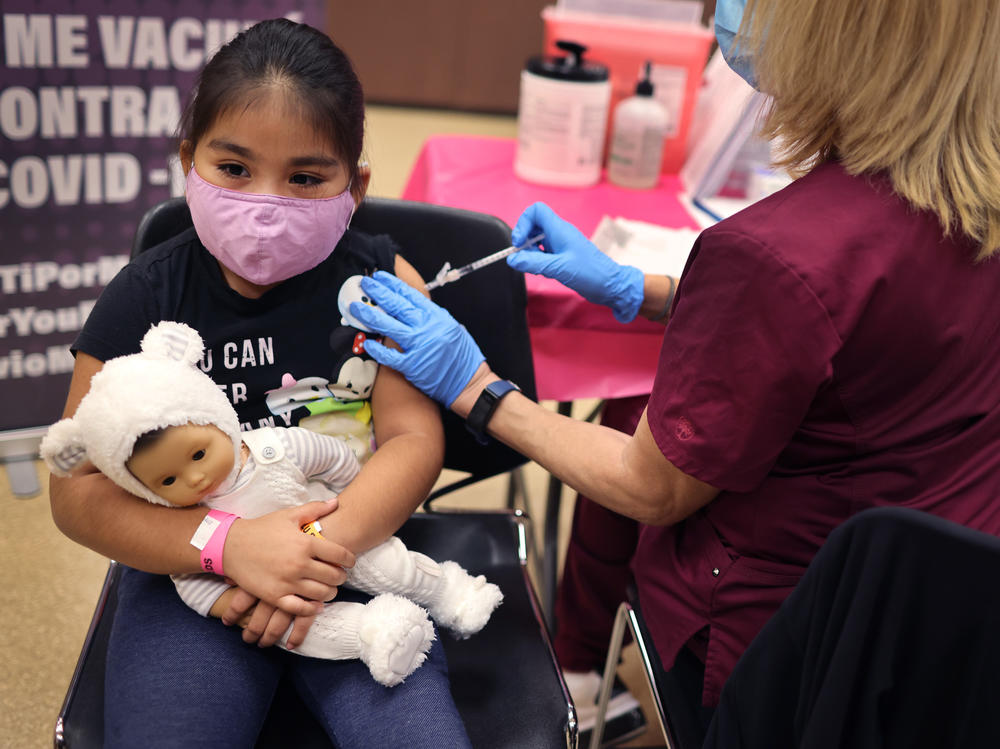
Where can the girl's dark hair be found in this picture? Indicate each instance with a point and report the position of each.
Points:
(283, 53)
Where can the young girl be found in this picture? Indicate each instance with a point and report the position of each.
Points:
(271, 143)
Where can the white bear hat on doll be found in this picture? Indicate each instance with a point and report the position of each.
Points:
(123, 404)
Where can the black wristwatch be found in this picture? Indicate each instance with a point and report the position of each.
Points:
(487, 402)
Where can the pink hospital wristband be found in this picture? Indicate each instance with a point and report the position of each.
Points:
(210, 538)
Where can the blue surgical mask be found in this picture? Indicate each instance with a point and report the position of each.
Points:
(728, 16)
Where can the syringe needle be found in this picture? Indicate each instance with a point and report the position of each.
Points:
(447, 274)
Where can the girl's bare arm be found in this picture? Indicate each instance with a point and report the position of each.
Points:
(401, 472)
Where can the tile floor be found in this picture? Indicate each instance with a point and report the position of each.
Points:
(48, 584)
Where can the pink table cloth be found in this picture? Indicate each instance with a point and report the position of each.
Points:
(579, 349)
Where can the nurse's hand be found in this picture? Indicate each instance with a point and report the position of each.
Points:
(574, 260)
(438, 354)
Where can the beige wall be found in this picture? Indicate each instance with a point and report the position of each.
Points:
(454, 54)
(457, 54)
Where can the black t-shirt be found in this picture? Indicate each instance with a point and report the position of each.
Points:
(279, 358)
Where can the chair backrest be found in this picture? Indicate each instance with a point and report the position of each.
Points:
(160, 223)
(889, 639)
(490, 303)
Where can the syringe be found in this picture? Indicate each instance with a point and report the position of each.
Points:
(447, 274)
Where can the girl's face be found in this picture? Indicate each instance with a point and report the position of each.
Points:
(269, 149)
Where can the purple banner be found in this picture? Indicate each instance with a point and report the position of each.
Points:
(90, 99)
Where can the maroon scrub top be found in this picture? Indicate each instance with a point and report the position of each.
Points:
(830, 350)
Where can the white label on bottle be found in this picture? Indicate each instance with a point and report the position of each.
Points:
(669, 83)
(561, 125)
(636, 150)
(565, 132)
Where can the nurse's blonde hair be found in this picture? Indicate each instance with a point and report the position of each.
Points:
(909, 87)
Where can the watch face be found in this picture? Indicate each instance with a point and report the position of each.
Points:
(501, 387)
(485, 405)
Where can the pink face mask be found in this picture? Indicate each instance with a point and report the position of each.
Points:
(266, 238)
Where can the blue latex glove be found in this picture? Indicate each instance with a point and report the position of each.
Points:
(575, 261)
(439, 356)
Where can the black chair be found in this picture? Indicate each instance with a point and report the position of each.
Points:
(888, 640)
(506, 682)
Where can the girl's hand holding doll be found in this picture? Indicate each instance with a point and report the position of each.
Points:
(272, 559)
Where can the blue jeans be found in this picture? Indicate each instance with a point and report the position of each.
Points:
(176, 679)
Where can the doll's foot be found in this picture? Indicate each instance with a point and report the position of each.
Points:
(395, 635)
(465, 603)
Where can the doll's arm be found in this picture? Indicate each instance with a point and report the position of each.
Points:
(222, 604)
(200, 592)
(323, 458)
(261, 622)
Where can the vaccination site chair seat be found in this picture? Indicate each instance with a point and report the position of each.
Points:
(505, 680)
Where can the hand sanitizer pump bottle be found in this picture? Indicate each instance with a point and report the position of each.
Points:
(562, 118)
(639, 127)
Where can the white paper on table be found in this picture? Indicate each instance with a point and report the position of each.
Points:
(649, 247)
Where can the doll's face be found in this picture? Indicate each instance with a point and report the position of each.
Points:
(185, 464)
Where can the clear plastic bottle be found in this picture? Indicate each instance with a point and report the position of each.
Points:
(639, 127)
(562, 118)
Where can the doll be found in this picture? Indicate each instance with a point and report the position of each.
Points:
(162, 430)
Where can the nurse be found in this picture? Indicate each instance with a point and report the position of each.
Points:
(831, 348)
